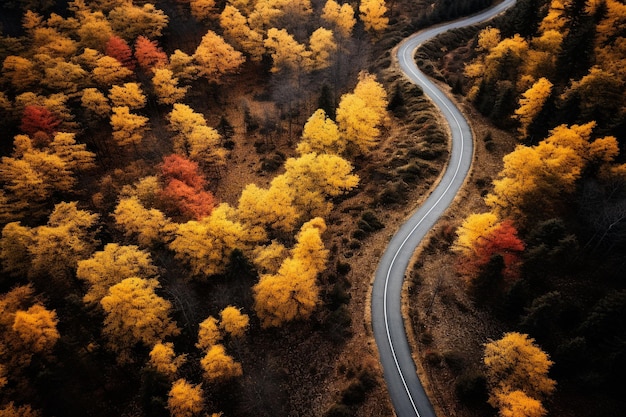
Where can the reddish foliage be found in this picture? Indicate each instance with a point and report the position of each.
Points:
(184, 194)
(117, 48)
(502, 240)
(148, 54)
(180, 168)
(39, 122)
(180, 199)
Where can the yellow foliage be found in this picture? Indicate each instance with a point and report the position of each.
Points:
(323, 47)
(14, 244)
(109, 71)
(128, 128)
(518, 404)
(148, 226)
(260, 209)
(130, 21)
(136, 314)
(182, 66)
(556, 19)
(233, 321)
(202, 9)
(128, 95)
(268, 258)
(358, 122)
(208, 333)
(37, 327)
(207, 244)
(488, 38)
(219, 366)
(321, 135)
(237, 30)
(216, 58)
(531, 104)
(516, 363)
(19, 71)
(96, 102)
(185, 399)
(341, 17)
(472, 228)
(164, 359)
(287, 53)
(166, 86)
(372, 14)
(111, 266)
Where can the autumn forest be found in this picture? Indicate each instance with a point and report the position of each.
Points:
(194, 194)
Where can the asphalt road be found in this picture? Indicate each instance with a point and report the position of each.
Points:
(406, 391)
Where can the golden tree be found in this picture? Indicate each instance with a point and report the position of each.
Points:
(516, 363)
(237, 30)
(340, 17)
(96, 102)
(323, 47)
(532, 103)
(147, 226)
(372, 14)
(37, 327)
(164, 359)
(207, 244)
(128, 128)
(216, 58)
(127, 95)
(202, 9)
(292, 293)
(166, 86)
(287, 53)
(185, 399)
(109, 71)
(218, 365)
(233, 321)
(209, 333)
(135, 314)
(111, 266)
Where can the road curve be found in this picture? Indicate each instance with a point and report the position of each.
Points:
(406, 391)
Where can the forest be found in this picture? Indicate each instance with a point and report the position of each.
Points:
(190, 190)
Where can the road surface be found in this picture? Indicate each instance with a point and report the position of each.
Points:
(406, 391)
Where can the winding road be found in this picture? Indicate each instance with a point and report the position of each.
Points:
(406, 391)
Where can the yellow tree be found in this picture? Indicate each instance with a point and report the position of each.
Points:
(323, 47)
(321, 134)
(516, 363)
(219, 366)
(183, 66)
(19, 71)
(94, 30)
(292, 293)
(135, 314)
(96, 103)
(237, 30)
(203, 146)
(111, 266)
(14, 249)
(287, 53)
(109, 71)
(75, 155)
(340, 17)
(127, 95)
(37, 327)
(360, 113)
(312, 178)
(185, 399)
(147, 226)
(268, 258)
(262, 209)
(207, 244)
(164, 359)
(531, 103)
(202, 9)
(233, 321)
(209, 333)
(128, 128)
(372, 14)
(166, 86)
(216, 58)
(518, 404)
(130, 21)
(68, 237)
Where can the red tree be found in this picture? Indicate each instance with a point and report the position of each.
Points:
(184, 194)
(149, 54)
(117, 48)
(39, 123)
(503, 241)
(179, 199)
(180, 168)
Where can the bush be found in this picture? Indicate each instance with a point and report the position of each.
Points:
(471, 388)
(354, 394)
